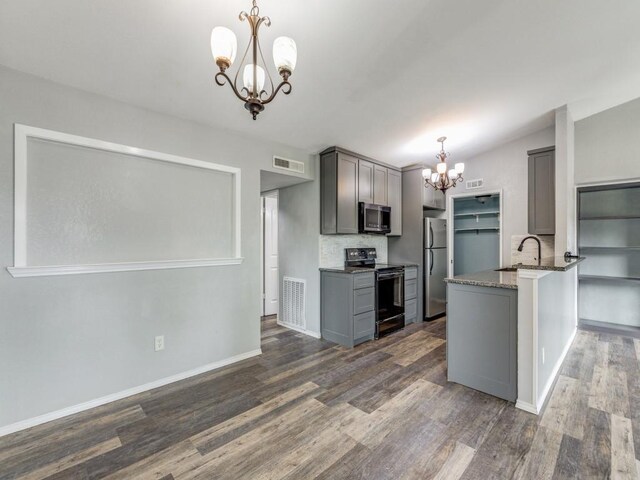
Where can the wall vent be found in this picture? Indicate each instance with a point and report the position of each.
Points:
(294, 303)
(477, 183)
(286, 164)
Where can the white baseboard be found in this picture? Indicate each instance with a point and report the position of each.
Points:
(527, 407)
(301, 330)
(47, 417)
(556, 369)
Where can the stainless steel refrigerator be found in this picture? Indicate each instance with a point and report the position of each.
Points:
(435, 267)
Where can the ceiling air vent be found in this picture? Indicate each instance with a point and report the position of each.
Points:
(477, 183)
(291, 165)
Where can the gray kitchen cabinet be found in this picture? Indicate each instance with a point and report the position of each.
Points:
(394, 197)
(365, 181)
(347, 307)
(410, 295)
(482, 325)
(339, 193)
(380, 181)
(347, 178)
(542, 191)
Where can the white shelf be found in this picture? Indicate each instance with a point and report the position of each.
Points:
(471, 229)
(475, 214)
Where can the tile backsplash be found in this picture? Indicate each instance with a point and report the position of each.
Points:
(530, 250)
(332, 247)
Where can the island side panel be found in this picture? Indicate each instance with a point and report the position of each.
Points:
(481, 338)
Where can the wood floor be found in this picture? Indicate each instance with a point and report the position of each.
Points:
(308, 409)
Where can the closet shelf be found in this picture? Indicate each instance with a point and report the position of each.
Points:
(474, 214)
(622, 249)
(612, 217)
(609, 278)
(470, 229)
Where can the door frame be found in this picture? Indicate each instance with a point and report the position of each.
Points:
(450, 219)
(263, 195)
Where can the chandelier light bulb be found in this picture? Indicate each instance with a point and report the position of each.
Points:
(459, 168)
(452, 174)
(442, 168)
(434, 177)
(426, 173)
(247, 78)
(285, 54)
(224, 46)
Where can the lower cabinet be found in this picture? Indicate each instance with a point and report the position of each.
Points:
(347, 307)
(410, 295)
(482, 325)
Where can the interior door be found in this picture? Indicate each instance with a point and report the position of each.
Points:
(270, 255)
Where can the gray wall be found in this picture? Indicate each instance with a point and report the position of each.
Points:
(506, 168)
(607, 145)
(70, 339)
(298, 242)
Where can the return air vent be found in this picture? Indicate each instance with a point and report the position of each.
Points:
(286, 164)
(477, 183)
(293, 303)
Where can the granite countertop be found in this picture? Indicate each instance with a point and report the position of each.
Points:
(493, 278)
(343, 269)
(487, 278)
(347, 269)
(556, 264)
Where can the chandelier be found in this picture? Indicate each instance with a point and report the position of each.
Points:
(442, 179)
(253, 92)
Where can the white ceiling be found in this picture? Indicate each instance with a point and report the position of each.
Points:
(383, 78)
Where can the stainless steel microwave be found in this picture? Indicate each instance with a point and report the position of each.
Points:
(374, 218)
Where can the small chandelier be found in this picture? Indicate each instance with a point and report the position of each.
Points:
(442, 179)
(253, 93)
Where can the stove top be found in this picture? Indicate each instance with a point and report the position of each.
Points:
(366, 258)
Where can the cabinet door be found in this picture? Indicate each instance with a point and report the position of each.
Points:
(328, 194)
(380, 185)
(347, 208)
(394, 194)
(365, 181)
(542, 189)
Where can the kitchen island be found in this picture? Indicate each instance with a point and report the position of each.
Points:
(508, 330)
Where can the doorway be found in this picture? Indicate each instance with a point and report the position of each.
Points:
(269, 264)
(475, 232)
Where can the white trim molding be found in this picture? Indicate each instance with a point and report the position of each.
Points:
(21, 268)
(18, 272)
(299, 329)
(48, 417)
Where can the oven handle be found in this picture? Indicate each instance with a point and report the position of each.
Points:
(386, 276)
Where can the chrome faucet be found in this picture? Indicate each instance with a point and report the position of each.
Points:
(539, 245)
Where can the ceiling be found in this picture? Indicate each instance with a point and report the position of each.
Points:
(383, 78)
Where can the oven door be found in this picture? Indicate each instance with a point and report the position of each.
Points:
(389, 302)
(374, 218)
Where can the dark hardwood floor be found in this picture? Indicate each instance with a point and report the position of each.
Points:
(309, 409)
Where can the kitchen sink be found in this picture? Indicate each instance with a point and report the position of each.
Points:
(506, 269)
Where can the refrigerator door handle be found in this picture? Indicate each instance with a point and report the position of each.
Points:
(430, 262)
(430, 235)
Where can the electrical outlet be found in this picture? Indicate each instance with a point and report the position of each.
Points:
(543, 355)
(159, 345)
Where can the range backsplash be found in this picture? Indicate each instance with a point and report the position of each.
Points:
(332, 247)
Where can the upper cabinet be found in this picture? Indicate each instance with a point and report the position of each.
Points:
(345, 180)
(394, 196)
(365, 181)
(380, 179)
(542, 191)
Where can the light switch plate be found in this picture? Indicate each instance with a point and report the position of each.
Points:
(159, 343)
